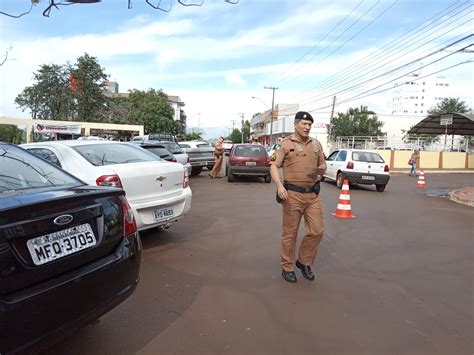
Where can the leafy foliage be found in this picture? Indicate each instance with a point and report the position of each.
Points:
(12, 134)
(236, 134)
(151, 108)
(193, 136)
(89, 97)
(450, 104)
(355, 122)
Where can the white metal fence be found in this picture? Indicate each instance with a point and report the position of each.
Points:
(438, 144)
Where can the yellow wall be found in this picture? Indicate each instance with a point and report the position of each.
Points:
(470, 161)
(453, 160)
(400, 160)
(385, 154)
(430, 160)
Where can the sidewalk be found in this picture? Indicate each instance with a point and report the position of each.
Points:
(464, 196)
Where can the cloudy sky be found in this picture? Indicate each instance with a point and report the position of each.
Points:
(217, 56)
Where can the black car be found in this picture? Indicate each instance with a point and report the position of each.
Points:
(157, 149)
(69, 252)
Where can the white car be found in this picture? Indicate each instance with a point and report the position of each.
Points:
(158, 191)
(358, 167)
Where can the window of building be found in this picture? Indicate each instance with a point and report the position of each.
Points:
(446, 84)
(421, 111)
(423, 90)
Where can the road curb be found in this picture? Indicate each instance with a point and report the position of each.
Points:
(464, 196)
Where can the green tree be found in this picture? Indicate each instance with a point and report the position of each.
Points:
(53, 97)
(193, 136)
(49, 97)
(89, 93)
(355, 122)
(151, 108)
(450, 104)
(12, 134)
(235, 136)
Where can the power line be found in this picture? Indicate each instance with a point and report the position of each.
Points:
(390, 71)
(332, 81)
(355, 35)
(361, 95)
(322, 39)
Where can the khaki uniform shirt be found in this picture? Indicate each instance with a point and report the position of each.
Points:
(302, 162)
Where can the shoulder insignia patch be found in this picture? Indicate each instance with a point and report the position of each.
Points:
(273, 157)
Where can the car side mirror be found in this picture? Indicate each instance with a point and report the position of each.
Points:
(226, 154)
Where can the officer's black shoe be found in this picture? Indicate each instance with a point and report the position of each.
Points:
(305, 270)
(289, 276)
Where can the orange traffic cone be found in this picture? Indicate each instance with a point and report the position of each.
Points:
(344, 206)
(421, 180)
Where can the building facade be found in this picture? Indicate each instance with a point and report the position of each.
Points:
(414, 95)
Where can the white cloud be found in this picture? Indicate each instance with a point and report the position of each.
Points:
(235, 79)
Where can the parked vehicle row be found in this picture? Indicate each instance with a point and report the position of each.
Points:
(69, 252)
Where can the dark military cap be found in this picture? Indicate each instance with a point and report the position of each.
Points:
(302, 115)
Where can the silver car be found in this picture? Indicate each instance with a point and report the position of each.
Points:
(178, 152)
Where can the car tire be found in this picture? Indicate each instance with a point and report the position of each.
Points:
(339, 180)
(210, 167)
(268, 178)
(230, 177)
(380, 188)
(196, 170)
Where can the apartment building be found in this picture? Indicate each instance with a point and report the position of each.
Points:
(414, 95)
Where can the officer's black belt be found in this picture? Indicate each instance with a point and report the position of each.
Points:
(303, 190)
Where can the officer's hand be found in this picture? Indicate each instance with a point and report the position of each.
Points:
(282, 193)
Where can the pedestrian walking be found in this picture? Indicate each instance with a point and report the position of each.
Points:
(414, 159)
(302, 160)
(218, 153)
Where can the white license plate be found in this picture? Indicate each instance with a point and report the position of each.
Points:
(56, 245)
(368, 177)
(250, 163)
(163, 213)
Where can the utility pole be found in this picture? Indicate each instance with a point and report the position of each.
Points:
(242, 122)
(330, 119)
(273, 108)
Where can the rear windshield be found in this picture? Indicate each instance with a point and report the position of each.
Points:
(369, 157)
(250, 151)
(203, 145)
(184, 145)
(108, 154)
(20, 170)
(173, 148)
(161, 152)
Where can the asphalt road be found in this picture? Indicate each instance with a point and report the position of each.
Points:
(398, 279)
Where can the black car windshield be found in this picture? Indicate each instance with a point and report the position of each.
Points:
(368, 157)
(161, 152)
(108, 154)
(172, 147)
(21, 170)
(250, 151)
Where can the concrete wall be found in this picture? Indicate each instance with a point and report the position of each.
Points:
(398, 159)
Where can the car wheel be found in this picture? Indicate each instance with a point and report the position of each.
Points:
(380, 188)
(339, 180)
(210, 167)
(230, 177)
(226, 171)
(268, 178)
(196, 171)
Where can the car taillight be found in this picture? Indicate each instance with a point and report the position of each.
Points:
(129, 225)
(109, 180)
(185, 179)
(386, 169)
(350, 165)
(174, 160)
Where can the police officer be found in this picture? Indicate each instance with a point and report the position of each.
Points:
(302, 160)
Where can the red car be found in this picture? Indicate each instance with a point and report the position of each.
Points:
(248, 160)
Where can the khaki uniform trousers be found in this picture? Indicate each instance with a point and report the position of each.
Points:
(296, 206)
(217, 166)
